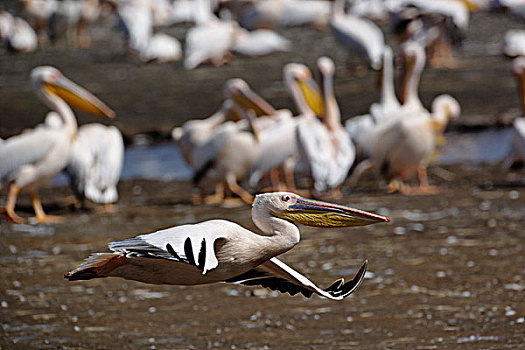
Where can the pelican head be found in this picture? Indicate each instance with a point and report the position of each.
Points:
(239, 92)
(49, 82)
(309, 212)
(300, 79)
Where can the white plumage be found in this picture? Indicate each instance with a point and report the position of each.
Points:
(95, 163)
(357, 35)
(28, 159)
(259, 42)
(223, 251)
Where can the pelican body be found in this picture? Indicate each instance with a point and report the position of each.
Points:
(96, 162)
(223, 251)
(28, 159)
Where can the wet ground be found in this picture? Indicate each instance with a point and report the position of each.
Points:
(447, 272)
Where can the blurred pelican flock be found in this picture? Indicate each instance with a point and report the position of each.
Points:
(183, 145)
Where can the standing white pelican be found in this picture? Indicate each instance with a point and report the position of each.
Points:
(210, 40)
(259, 42)
(414, 63)
(325, 145)
(514, 43)
(95, 163)
(39, 13)
(137, 19)
(17, 33)
(284, 13)
(517, 146)
(223, 251)
(402, 146)
(28, 159)
(357, 35)
(357, 127)
(196, 132)
(236, 149)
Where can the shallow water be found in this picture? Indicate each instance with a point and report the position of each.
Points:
(164, 162)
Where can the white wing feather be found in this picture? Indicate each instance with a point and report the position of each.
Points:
(96, 162)
(193, 244)
(28, 148)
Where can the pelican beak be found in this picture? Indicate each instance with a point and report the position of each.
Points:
(250, 100)
(311, 212)
(311, 95)
(78, 97)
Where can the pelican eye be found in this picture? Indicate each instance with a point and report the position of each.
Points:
(285, 198)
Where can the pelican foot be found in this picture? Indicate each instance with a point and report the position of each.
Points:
(108, 208)
(230, 203)
(421, 190)
(213, 199)
(48, 219)
(10, 216)
(69, 201)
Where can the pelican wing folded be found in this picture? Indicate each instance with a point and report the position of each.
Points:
(276, 275)
(29, 147)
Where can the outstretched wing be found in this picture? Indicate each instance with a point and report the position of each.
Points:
(276, 275)
(190, 244)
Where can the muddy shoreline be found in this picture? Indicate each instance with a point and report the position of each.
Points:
(448, 272)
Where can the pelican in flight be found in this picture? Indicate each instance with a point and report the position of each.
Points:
(517, 147)
(28, 159)
(223, 251)
(95, 163)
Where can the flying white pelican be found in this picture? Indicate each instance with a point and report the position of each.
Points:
(259, 42)
(324, 144)
(28, 159)
(517, 147)
(400, 146)
(357, 35)
(95, 163)
(223, 251)
(17, 33)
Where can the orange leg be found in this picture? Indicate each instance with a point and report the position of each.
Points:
(238, 190)
(41, 216)
(217, 197)
(9, 212)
